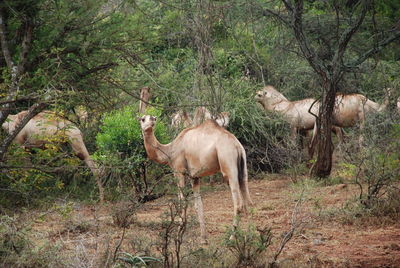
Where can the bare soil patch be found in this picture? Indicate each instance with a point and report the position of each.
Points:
(324, 242)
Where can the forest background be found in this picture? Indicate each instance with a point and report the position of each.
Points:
(93, 57)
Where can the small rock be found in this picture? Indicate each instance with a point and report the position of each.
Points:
(317, 242)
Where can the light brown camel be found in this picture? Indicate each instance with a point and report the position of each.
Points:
(181, 119)
(202, 114)
(145, 95)
(296, 113)
(201, 151)
(352, 109)
(36, 133)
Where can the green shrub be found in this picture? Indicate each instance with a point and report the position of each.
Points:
(40, 173)
(17, 249)
(264, 135)
(375, 167)
(248, 246)
(121, 152)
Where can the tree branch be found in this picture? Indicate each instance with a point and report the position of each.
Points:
(4, 42)
(374, 50)
(33, 110)
(266, 12)
(26, 45)
(97, 68)
(297, 25)
(344, 41)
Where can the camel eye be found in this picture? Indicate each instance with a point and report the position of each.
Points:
(142, 119)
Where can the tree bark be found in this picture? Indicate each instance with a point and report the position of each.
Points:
(323, 165)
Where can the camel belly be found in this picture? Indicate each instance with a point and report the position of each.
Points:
(345, 118)
(202, 164)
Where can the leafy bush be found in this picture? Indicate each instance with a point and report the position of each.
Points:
(18, 250)
(122, 153)
(40, 173)
(264, 135)
(248, 246)
(375, 167)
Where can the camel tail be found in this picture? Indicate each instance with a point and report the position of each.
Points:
(243, 179)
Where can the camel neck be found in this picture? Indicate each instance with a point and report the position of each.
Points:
(280, 105)
(155, 150)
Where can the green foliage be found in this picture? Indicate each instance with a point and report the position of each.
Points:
(120, 133)
(376, 168)
(40, 173)
(122, 153)
(264, 135)
(18, 250)
(248, 246)
(137, 260)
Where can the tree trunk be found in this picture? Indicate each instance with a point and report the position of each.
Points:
(323, 165)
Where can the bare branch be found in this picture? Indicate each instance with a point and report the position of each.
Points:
(345, 39)
(297, 25)
(267, 12)
(26, 98)
(98, 68)
(374, 50)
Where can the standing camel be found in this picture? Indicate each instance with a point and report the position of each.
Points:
(36, 132)
(299, 114)
(352, 109)
(201, 151)
(181, 119)
(202, 113)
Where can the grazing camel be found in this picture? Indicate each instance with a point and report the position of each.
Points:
(202, 113)
(145, 95)
(201, 151)
(351, 109)
(296, 113)
(46, 124)
(181, 119)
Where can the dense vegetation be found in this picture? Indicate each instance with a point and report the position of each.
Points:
(96, 55)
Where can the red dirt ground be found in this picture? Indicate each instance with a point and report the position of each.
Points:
(323, 242)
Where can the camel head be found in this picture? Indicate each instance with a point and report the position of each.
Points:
(147, 122)
(223, 119)
(9, 124)
(269, 96)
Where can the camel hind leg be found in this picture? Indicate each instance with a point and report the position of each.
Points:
(80, 150)
(243, 181)
(229, 171)
(198, 204)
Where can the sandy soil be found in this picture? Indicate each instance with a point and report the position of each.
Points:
(323, 242)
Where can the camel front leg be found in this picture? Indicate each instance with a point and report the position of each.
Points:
(181, 185)
(198, 205)
(293, 134)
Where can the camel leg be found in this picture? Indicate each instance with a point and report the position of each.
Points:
(181, 184)
(244, 187)
(237, 201)
(311, 146)
(198, 204)
(78, 146)
(293, 134)
(339, 133)
(96, 172)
